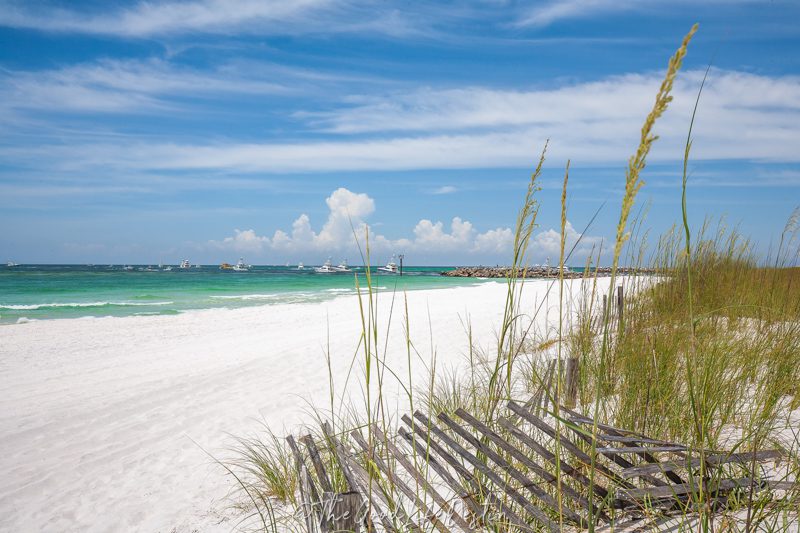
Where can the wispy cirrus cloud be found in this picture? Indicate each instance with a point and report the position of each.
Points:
(549, 12)
(742, 117)
(150, 19)
(615, 99)
(546, 13)
(131, 86)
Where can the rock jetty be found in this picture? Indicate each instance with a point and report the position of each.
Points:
(537, 272)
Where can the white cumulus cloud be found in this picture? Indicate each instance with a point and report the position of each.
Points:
(548, 243)
(347, 223)
(242, 241)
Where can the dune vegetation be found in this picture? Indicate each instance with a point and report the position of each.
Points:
(705, 352)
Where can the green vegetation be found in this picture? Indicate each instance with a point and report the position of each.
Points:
(706, 353)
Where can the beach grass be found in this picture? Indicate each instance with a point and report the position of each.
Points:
(705, 353)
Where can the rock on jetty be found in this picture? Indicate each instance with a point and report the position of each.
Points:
(538, 272)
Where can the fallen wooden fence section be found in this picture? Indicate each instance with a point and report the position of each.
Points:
(529, 470)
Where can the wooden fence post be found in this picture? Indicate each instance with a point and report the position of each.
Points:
(572, 379)
(345, 512)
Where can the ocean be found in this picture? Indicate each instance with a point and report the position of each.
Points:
(36, 292)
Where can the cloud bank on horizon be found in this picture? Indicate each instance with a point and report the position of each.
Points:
(346, 233)
(137, 129)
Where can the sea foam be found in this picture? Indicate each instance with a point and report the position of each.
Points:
(27, 307)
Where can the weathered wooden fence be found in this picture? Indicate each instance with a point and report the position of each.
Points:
(538, 467)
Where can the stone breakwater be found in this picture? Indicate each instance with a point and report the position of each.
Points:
(538, 272)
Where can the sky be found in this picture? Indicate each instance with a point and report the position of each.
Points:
(139, 132)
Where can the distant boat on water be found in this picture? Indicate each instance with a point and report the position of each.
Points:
(301, 267)
(12, 264)
(342, 267)
(185, 264)
(391, 267)
(327, 268)
(238, 267)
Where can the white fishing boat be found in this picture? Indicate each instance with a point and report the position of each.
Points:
(12, 264)
(241, 266)
(167, 268)
(343, 267)
(301, 267)
(185, 264)
(327, 268)
(391, 267)
(127, 267)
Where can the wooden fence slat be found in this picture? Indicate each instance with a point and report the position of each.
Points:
(334, 445)
(646, 455)
(615, 450)
(316, 460)
(497, 503)
(713, 460)
(616, 456)
(635, 440)
(420, 479)
(568, 445)
(525, 460)
(525, 482)
(398, 482)
(302, 474)
(359, 479)
(586, 421)
(551, 457)
(442, 471)
(491, 475)
(685, 488)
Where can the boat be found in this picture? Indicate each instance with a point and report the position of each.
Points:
(185, 264)
(241, 266)
(127, 267)
(167, 268)
(12, 264)
(326, 268)
(391, 267)
(301, 267)
(342, 267)
(226, 266)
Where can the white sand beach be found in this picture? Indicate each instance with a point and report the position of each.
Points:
(102, 420)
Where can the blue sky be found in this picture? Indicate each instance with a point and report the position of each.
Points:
(211, 129)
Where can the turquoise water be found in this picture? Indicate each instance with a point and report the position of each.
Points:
(71, 291)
